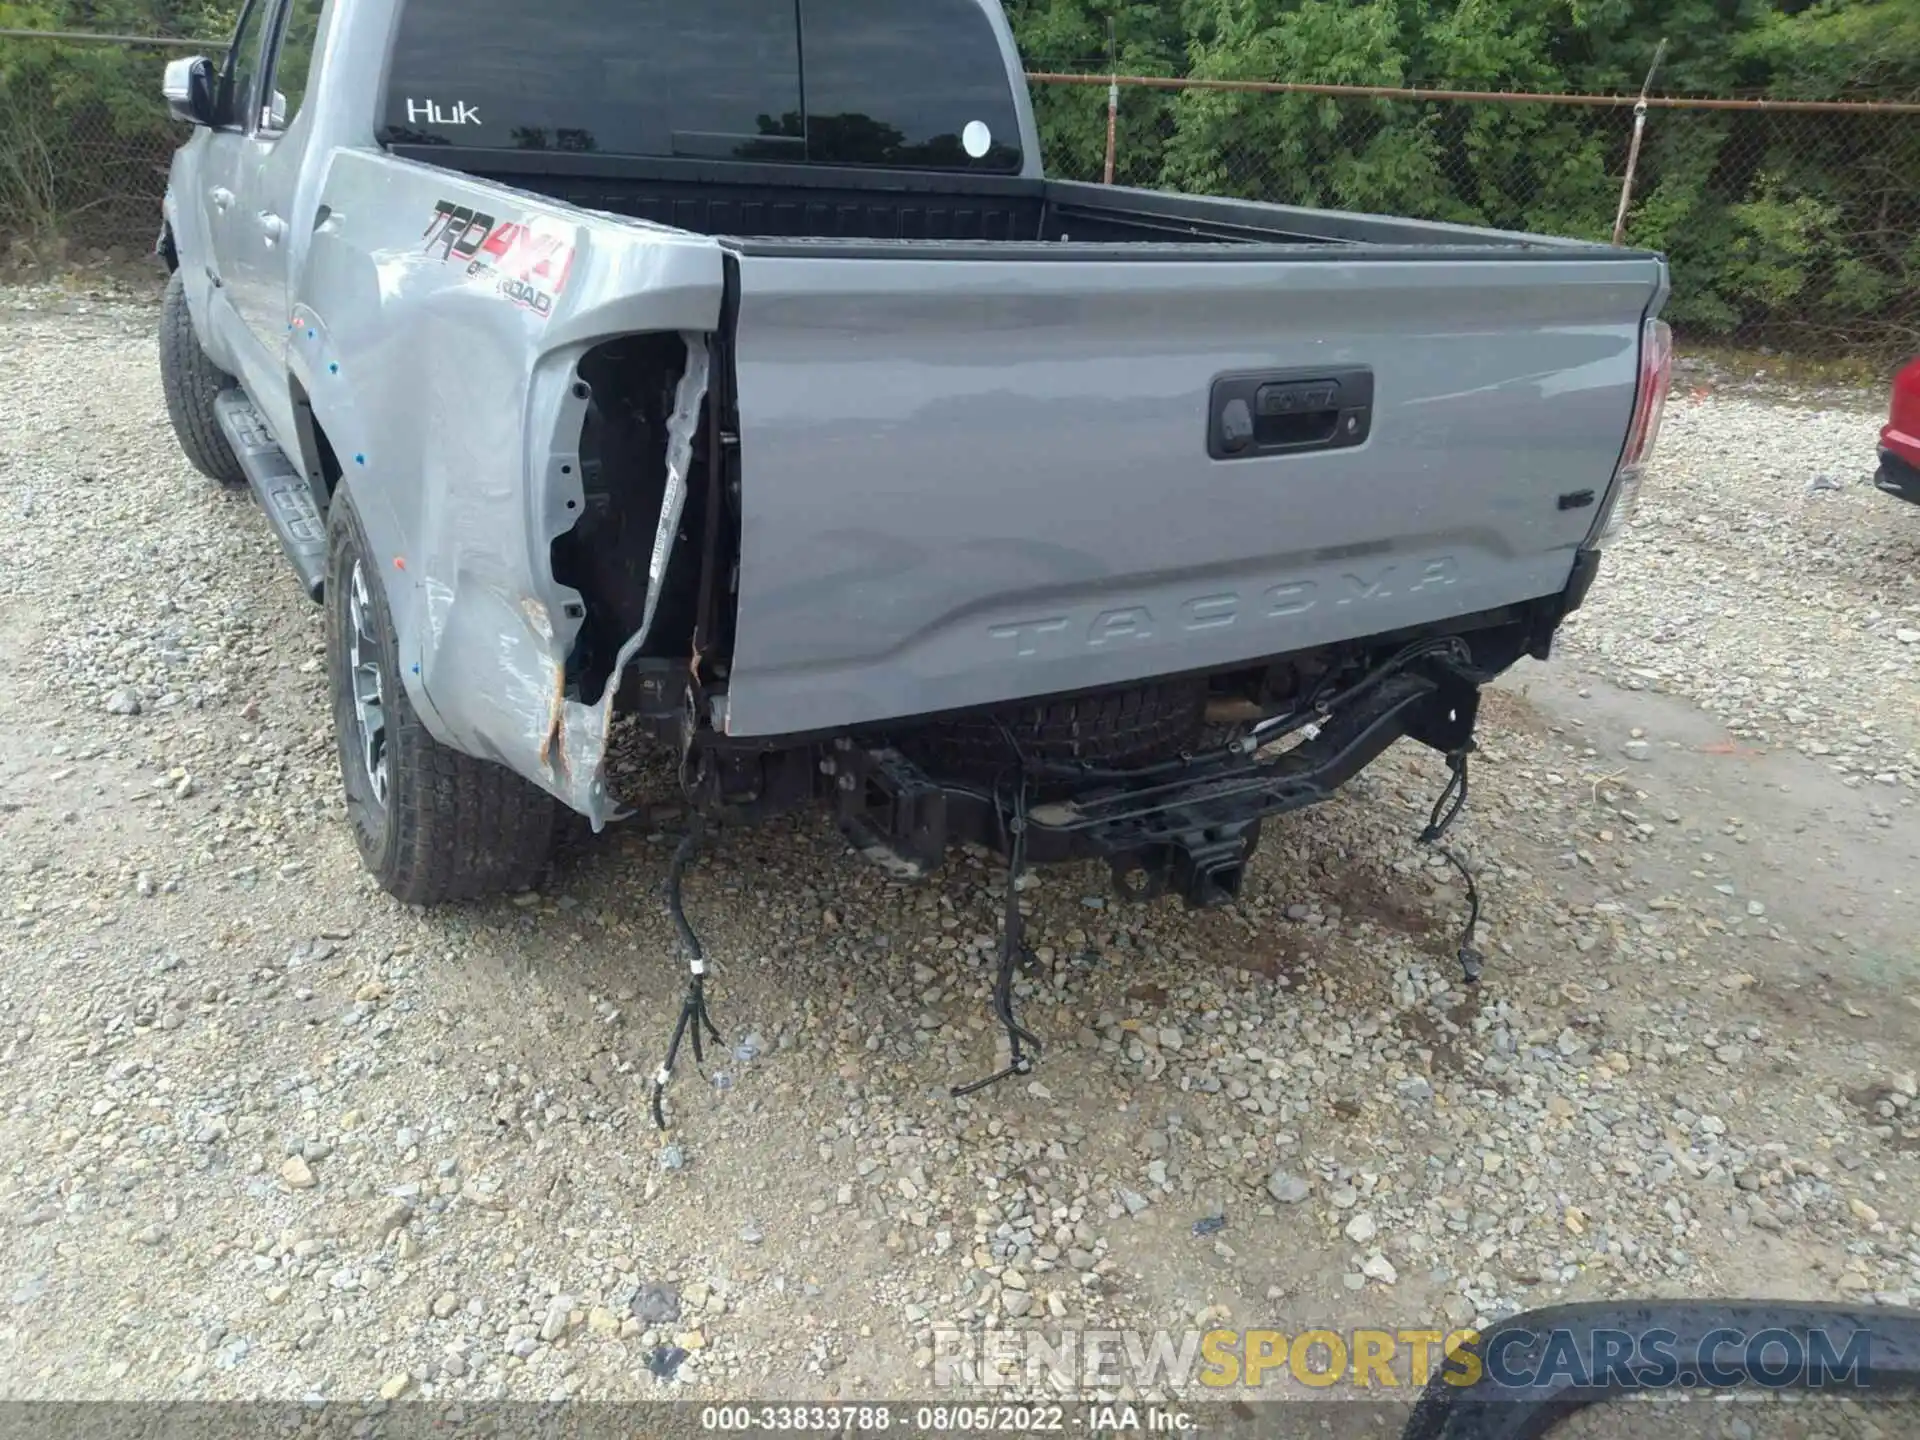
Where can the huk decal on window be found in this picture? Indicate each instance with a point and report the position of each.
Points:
(432, 112)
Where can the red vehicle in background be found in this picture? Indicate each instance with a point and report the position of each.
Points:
(1900, 440)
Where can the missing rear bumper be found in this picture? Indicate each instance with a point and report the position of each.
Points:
(1189, 826)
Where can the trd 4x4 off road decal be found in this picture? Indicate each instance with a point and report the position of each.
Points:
(529, 259)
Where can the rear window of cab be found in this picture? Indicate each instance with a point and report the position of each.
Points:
(906, 84)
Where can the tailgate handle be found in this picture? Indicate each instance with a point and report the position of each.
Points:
(1289, 412)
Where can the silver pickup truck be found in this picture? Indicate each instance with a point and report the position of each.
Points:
(731, 374)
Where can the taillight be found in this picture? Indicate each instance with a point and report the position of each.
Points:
(1649, 407)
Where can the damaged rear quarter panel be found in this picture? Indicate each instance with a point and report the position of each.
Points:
(447, 390)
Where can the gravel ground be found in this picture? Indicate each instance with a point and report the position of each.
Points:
(267, 1134)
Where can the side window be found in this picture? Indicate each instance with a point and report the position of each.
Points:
(240, 84)
(293, 61)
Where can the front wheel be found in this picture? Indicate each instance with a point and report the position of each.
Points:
(431, 824)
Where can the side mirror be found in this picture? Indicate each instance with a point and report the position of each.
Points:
(277, 111)
(189, 89)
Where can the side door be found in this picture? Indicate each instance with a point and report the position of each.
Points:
(268, 177)
(237, 102)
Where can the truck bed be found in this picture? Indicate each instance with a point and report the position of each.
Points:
(981, 424)
(999, 437)
(765, 203)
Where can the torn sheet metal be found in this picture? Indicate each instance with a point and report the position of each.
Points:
(680, 430)
(575, 750)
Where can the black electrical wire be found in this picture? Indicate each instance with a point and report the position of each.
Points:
(1013, 948)
(1471, 959)
(1453, 799)
(1278, 727)
(693, 1009)
(1449, 647)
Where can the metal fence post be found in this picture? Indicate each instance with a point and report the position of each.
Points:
(1113, 126)
(1633, 147)
(1113, 100)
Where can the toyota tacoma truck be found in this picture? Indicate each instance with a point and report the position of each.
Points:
(732, 375)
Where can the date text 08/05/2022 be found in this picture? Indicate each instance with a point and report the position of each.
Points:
(923, 1419)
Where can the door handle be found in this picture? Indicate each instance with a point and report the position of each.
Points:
(271, 226)
(222, 197)
(1289, 412)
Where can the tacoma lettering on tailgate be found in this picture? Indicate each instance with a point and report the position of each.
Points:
(1123, 624)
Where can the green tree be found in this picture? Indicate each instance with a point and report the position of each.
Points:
(1781, 220)
(1089, 36)
(82, 129)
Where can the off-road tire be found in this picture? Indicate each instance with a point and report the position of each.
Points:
(1116, 729)
(452, 827)
(192, 383)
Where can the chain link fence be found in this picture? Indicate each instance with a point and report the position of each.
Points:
(1793, 225)
(84, 143)
(1788, 223)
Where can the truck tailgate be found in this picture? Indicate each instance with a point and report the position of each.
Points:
(968, 478)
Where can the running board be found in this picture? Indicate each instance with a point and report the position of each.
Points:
(280, 488)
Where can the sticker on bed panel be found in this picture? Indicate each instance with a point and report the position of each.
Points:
(456, 231)
(527, 260)
(533, 260)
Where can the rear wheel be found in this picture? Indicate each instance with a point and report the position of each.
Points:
(192, 383)
(431, 823)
